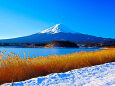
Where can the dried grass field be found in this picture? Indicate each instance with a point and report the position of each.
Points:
(15, 68)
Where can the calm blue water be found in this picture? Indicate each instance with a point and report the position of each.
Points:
(43, 51)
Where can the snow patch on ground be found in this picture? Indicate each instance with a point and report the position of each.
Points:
(100, 75)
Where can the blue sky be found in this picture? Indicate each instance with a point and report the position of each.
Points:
(25, 17)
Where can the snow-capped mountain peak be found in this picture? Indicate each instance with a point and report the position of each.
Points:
(55, 29)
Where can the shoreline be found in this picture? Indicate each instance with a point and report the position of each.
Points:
(41, 66)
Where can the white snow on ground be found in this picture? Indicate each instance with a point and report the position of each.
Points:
(100, 75)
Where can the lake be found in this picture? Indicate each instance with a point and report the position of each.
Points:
(43, 51)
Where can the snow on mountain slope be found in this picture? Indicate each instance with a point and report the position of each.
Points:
(100, 75)
(57, 32)
(55, 29)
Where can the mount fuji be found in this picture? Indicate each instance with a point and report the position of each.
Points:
(57, 32)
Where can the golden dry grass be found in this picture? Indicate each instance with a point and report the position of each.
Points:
(14, 68)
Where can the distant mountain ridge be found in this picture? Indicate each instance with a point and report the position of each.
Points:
(60, 44)
(57, 32)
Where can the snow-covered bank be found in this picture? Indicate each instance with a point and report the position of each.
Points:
(100, 75)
